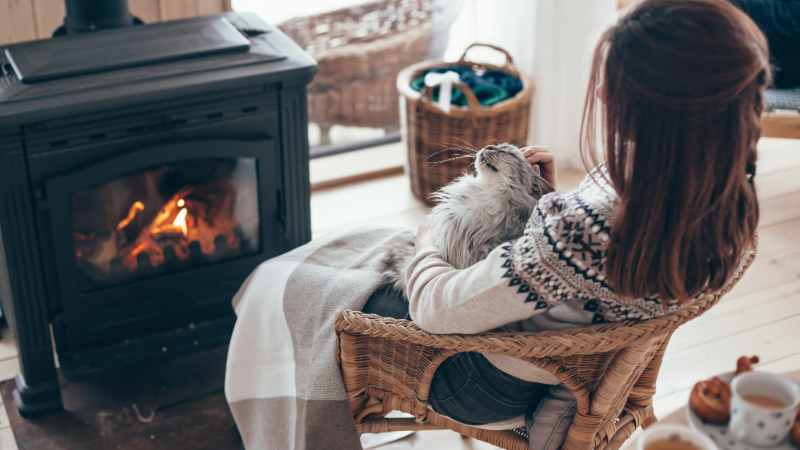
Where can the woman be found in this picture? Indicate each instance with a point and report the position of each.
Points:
(675, 98)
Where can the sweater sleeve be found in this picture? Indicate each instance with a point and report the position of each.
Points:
(480, 298)
(443, 299)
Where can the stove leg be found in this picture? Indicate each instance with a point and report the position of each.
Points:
(38, 400)
(22, 289)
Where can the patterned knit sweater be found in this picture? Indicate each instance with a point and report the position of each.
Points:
(553, 277)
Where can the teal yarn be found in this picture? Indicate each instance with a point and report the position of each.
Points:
(487, 94)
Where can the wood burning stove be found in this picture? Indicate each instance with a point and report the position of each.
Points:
(145, 171)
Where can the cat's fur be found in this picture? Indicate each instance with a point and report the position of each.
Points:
(477, 213)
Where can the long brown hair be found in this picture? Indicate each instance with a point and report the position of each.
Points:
(681, 93)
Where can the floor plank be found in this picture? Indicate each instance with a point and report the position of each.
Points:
(779, 210)
(8, 349)
(376, 203)
(9, 368)
(777, 238)
(788, 364)
(738, 315)
(7, 441)
(777, 184)
(349, 164)
(767, 272)
(776, 155)
(4, 423)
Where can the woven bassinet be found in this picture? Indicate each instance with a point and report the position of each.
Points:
(611, 369)
(360, 51)
(434, 138)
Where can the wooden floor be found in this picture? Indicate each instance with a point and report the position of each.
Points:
(760, 316)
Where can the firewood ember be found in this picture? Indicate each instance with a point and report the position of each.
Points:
(143, 261)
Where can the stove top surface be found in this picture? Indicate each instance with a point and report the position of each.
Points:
(117, 67)
(118, 48)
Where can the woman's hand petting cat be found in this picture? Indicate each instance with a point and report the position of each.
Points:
(424, 235)
(543, 160)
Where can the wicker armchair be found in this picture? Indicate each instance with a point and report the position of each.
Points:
(611, 369)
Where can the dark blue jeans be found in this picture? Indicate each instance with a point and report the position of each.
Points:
(467, 387)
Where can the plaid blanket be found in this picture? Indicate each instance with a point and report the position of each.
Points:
(282, 382)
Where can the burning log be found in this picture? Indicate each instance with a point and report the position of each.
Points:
(170, 258)
(196, 252)
(116, 266)
(220, 246)
(143, 262)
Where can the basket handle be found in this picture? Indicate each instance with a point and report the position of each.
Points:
(473, 105)
(508, 67)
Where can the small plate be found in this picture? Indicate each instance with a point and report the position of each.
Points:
(719, 433)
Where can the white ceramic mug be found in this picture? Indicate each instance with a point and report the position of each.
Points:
(760, 426)
(674, 432)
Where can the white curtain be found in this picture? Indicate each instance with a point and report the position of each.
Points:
(551, 41)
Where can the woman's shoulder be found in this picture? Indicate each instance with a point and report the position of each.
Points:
(593, 200)
(563, 252)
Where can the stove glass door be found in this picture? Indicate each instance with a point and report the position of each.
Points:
(164, 219)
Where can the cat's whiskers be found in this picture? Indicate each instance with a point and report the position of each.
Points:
(460, 147)
(468, 144)
(446, 150)
(453, 159)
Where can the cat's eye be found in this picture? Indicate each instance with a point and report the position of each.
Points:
(536, 188)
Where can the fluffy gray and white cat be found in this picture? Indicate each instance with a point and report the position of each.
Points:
(476, 213)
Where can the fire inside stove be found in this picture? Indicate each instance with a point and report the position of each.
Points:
(165, 219)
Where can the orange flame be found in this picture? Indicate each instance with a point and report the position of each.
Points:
(180, 221)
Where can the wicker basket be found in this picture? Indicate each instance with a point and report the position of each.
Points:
(429, 132)
(360, 51)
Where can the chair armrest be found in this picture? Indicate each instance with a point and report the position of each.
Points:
(593, 339)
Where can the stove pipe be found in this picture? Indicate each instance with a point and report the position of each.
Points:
(89, 15)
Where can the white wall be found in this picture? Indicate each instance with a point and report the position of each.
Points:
(552, 41)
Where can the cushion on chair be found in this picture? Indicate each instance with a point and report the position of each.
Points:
(549, 422)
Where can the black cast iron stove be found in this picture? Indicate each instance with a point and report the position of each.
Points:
(145, 171)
